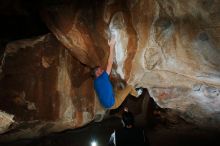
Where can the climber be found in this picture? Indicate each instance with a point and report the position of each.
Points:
(103, 86)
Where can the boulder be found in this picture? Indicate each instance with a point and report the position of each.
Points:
(169, 47)
(43, 89)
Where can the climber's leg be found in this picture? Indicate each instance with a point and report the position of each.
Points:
(120, 95)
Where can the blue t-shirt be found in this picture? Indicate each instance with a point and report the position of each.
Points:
(104, 90)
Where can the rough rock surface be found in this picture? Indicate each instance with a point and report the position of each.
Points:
(170, 47)
(44, 89)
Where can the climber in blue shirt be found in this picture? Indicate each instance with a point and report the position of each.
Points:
(103, 87)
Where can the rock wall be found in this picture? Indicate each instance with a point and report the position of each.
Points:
(169, 47)
(44, 89)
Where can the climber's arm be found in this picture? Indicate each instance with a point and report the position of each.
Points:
(111, 55)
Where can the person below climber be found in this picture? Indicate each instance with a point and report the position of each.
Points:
(103, 86)
(129, 135)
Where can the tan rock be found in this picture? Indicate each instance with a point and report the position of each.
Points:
(169, 47)
(51, 96)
